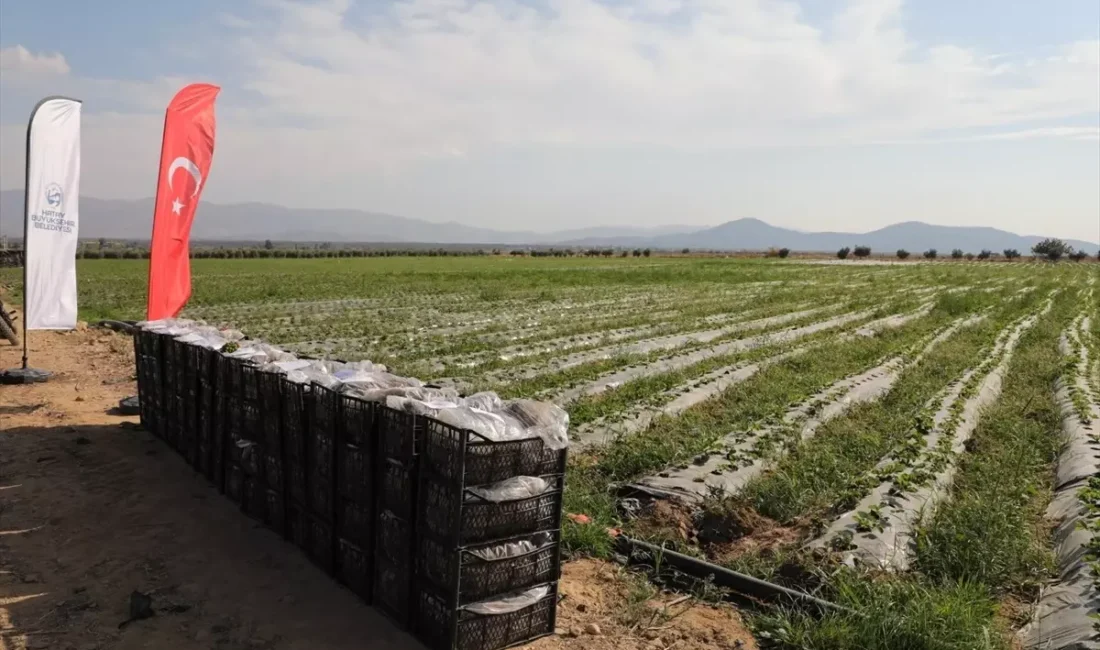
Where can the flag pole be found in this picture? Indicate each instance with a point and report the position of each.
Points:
(25, 374)
(27, 219)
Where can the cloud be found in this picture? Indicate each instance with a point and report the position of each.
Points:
(18, 60)
(340, 102)
(425, 77)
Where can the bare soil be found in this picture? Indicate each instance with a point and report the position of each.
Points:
(92, 508)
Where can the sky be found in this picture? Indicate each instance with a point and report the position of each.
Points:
(816, 115)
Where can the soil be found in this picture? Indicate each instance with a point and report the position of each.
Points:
(93, 509)
(739, 530)
(597, 593)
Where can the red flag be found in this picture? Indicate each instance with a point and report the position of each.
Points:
(185, 157)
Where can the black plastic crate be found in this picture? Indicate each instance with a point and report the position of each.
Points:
(270, 409)
(146, 343)
(312, 535)
(458, 516)
(394, 538)
(219, 440)
(472, 459)
(296, 405)
(356, 476)
(209, 431)
(243, 420)
(326, 416)
(188, 439)
(250, 382)
(321, 475)
(397, 485)
(198, 364)
(353, 569)
(229, 376)
(354, 522)
(246, 492)
(150, 399)
(472, 578)
(358, 417)
(275, 512)
(440, 625)
(272, 471)
(400, 434)
(246, 454)
(393, 590)
(174, 421)
(296, 487)
(178, 370)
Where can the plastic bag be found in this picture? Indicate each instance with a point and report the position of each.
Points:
(511, 489)
(512, 602)
(513, 549)
(417, 393)
(317, 371)
(260, 353)
(485, 401)
(547, 421)
(497, 427)
(429, 408)
(204, 337)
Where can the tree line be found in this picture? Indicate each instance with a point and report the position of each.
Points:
(1051, 249)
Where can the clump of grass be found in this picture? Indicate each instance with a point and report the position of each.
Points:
(889, 613)
(830, 470)
(991, 529)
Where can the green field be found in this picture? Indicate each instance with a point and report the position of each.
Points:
(804, 411)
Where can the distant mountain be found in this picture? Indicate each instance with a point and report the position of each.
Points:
(118, 219)
(122, 219)
(914, 236)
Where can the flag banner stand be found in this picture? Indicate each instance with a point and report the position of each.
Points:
(50, 218)
(186, 154)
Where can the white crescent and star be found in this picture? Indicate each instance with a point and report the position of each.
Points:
(191, 168)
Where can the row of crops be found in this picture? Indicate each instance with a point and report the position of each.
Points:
(914, 442)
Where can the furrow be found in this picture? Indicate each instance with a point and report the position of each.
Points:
(878, 531)
(1066, 610)
(645, 346)
(674, 401)
(745, 456)
(677, 362)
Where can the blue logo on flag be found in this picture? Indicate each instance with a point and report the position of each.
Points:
(54, 195)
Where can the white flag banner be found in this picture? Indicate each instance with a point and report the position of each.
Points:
(52, 204)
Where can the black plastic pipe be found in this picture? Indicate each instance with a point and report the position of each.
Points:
(737, 582)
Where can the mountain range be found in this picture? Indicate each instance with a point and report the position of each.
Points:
(131, 219)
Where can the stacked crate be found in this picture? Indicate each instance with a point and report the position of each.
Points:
(380, 499)
(209, 419)
(147, 358)
(433, 530)
(312, 522)
(354, 495)
(399, 437)
(271, 451)
(244, 448)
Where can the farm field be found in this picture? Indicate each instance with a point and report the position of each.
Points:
(915, 442)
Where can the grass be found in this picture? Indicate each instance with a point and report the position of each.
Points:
(986, 546)
(764, 397)
(890, 613)
(991, 529)
(825, 473)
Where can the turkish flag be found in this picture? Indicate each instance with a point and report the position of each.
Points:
(185, 157)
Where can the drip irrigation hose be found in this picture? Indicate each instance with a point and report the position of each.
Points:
(739, 583)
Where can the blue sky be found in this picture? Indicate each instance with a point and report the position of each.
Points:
(825, 114)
